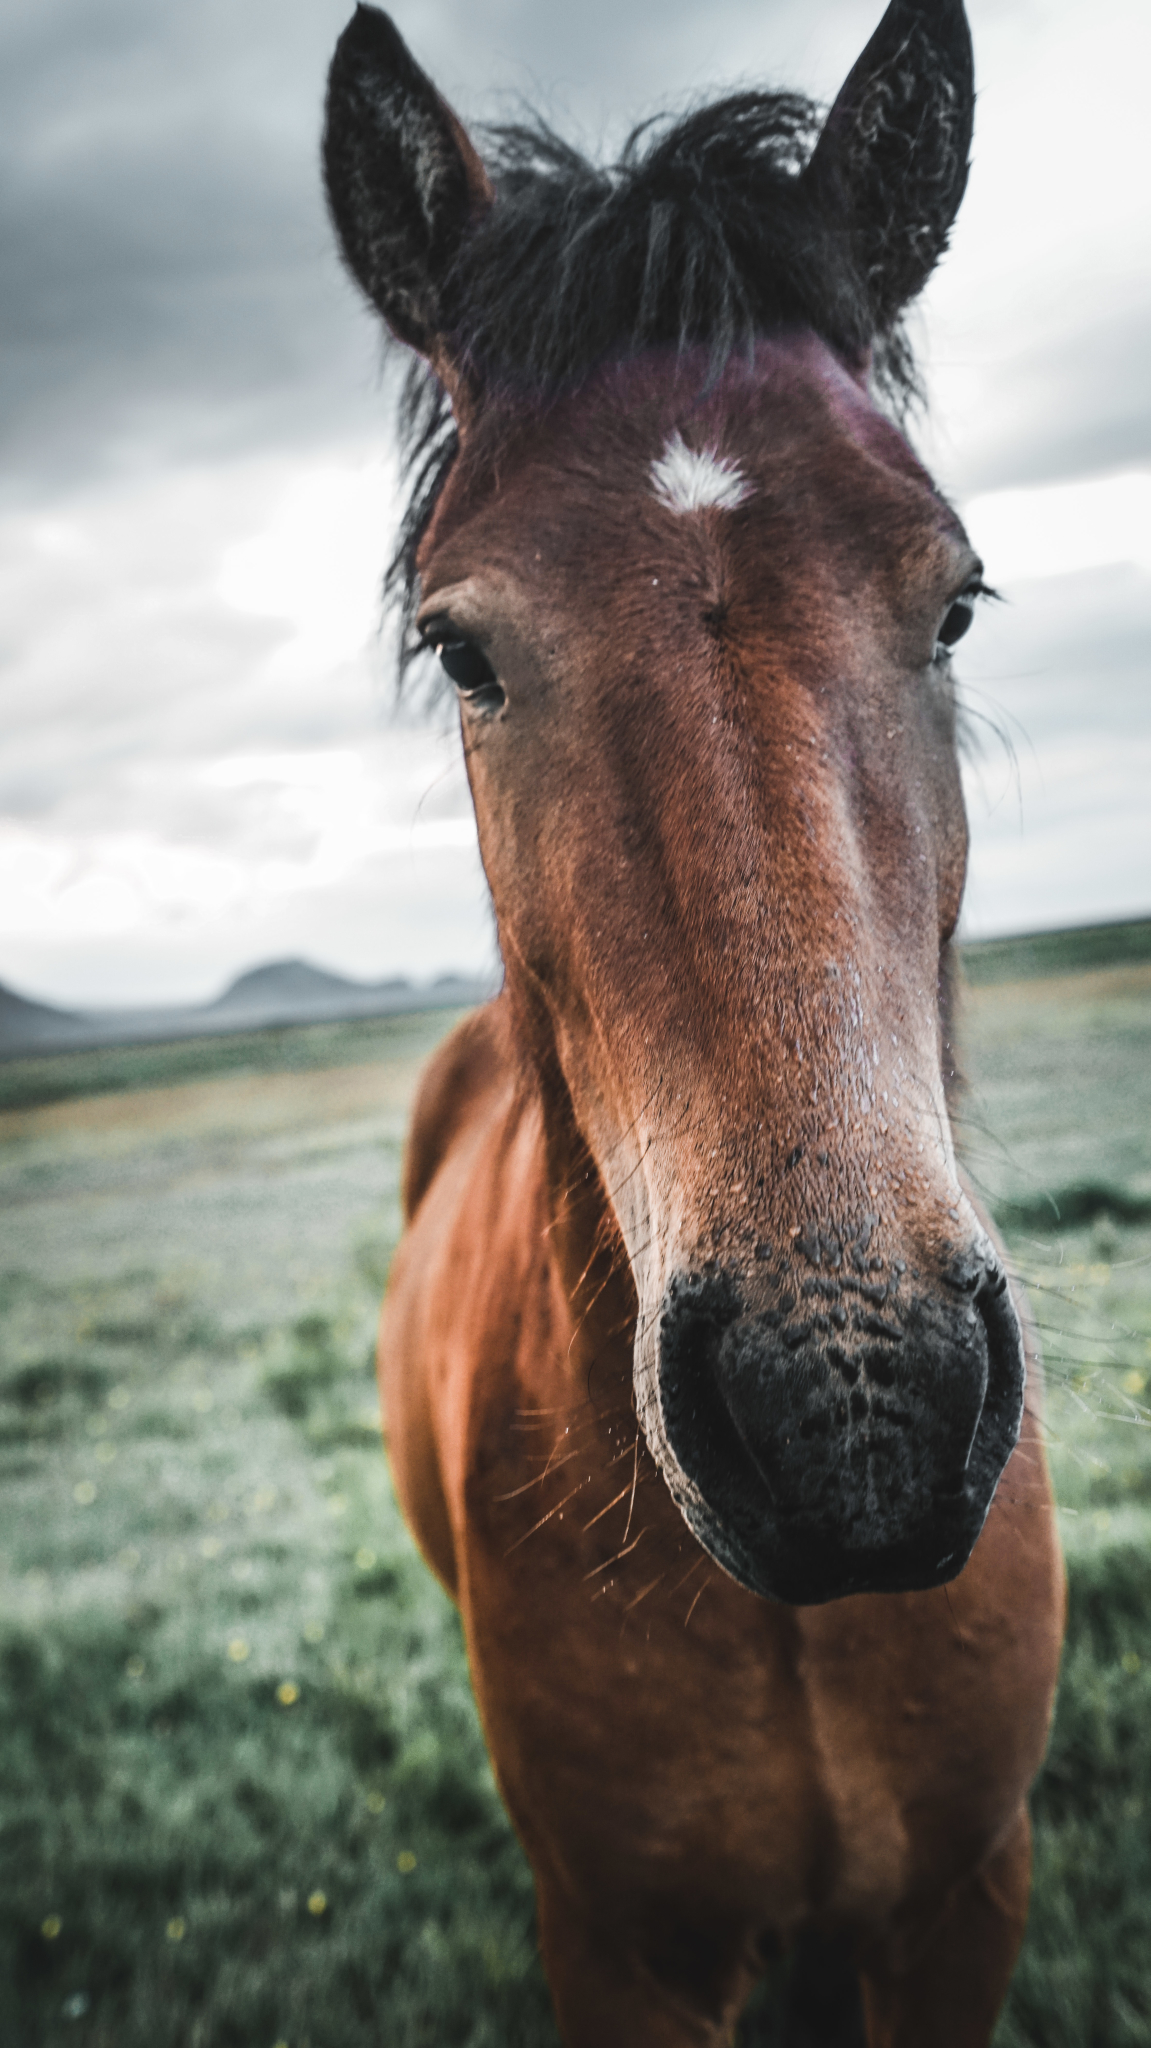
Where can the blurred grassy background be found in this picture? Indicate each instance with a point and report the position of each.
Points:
(243, 1796)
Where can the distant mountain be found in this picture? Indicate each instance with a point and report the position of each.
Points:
(300, 986)
(282, 992)
(23, 1023)
(298, 981)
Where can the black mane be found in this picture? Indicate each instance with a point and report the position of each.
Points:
(704, 233)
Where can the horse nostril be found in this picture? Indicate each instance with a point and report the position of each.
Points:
(697, 1311)
(1006, 1364)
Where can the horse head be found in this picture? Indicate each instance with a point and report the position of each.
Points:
(698, 596)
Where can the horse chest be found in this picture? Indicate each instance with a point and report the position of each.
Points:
(655, 1728)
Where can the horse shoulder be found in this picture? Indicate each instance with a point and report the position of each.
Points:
(466, 1118)
(456, 1091)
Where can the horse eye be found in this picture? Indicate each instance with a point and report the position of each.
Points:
(466, 664)
(958, 618)
(957, 621)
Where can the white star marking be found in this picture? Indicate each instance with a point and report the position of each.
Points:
(687, 481)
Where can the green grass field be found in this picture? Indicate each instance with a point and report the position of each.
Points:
(243, 1796)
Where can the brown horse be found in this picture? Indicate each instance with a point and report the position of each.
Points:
(705, 1386)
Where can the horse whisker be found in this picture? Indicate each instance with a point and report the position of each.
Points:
(700, 1591)
(690, 1572)
(634, 1483)
(546, 1518)
(642, 1595)
(606, 1511)
(625, 1552)
(540, 1476)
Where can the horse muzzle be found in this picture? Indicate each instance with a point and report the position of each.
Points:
(846, 1433)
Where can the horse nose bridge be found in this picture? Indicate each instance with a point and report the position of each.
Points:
(810, 1177)
(820, 1119)
(811, 1063)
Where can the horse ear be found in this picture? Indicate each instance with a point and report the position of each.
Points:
(891, 163)
(404, 183)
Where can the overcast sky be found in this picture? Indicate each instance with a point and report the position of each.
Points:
(200, 768)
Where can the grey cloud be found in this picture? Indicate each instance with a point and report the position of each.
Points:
(171, 296)
(169, 275)
(170, 284)
(1054, 694)
(1067, 654)
(1072, 407)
